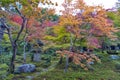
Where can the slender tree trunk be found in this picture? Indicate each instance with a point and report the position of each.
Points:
(12, 65)
(24, 52)
(25, 44)
(61, 60)
(70, 49)
(67, 63)
(103, 45)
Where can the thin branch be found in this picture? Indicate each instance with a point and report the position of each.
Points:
(21, 29)
(26, 30)
(8, 30)
(19, 12)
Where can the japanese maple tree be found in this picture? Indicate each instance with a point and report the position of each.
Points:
(24, 9)
(88, 22)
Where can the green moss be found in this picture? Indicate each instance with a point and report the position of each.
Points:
(3, 71)
(9, 77)
(103, 71)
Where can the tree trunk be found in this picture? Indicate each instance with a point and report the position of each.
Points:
(67, 63)
(12, 65)
(24, 52)
(25, 44)
(61, 60)
(70, 49)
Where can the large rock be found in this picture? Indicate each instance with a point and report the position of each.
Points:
(114, 57)
(26, 68)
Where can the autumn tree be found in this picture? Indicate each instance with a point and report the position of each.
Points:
(34, 29)
(88, 22)
(25, 9)
(70, 22)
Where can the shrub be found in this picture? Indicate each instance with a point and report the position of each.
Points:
(3, 71)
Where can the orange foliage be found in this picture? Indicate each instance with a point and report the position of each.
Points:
(36, 28)
(69, 20)
(81, 59)
(35, 31)
(77, 16)
(97, 17)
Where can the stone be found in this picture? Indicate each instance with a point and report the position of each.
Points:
(24, 68)
(36, 57)
(114, 57)
(30, 77)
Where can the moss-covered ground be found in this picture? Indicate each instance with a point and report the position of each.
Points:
(105, 70)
